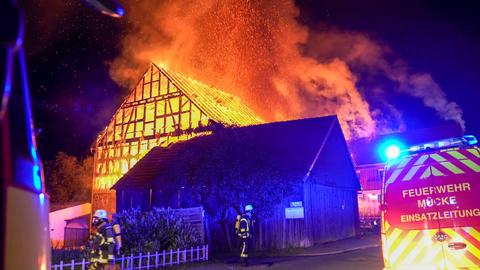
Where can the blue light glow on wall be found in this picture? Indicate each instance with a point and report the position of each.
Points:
(37, 180)
(41, 196)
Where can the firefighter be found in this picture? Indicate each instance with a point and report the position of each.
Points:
(245, 233)
(103, 242)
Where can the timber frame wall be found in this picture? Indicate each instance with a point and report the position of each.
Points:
(156, 113)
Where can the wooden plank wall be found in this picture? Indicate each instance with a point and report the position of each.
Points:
(216, 238)
(127, 199)
(332, 212)
(277, 232)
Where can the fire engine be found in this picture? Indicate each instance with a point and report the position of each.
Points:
(430, 206)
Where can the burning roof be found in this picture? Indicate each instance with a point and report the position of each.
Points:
(217, 104)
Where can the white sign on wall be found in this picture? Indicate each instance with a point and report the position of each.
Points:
(294, 212)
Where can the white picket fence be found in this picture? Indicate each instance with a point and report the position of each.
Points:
(146, 261)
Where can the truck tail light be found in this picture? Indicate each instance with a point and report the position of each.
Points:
(457, 245)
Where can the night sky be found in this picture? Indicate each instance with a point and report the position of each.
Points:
(69, 47)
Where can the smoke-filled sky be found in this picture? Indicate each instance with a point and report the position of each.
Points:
(381, 67)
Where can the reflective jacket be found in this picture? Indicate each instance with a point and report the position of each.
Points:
(103, 244)
(244, 226)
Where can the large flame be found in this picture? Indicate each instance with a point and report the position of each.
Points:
(256, 50)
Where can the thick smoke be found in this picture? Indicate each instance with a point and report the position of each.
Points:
(377, 62)
(259, 52)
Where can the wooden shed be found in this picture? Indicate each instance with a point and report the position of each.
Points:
(320, 207)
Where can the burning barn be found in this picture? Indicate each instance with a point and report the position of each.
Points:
(163, 108)
(174, 138)
(319, 205)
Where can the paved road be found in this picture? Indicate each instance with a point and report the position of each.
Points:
(363, 259)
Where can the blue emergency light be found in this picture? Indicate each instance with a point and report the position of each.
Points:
(470, 139)
(391, 149)
(466, 140)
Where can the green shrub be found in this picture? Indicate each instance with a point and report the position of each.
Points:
(155, 230)
(67, 255)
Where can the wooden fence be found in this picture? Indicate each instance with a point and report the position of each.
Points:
(75, 237)
(194, 216)
(146, 261)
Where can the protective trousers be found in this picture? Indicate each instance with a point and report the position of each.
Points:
(101, 266)
(244, 249)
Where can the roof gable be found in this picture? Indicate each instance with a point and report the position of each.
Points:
(214, 103)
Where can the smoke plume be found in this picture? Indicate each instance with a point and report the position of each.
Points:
(258, 51)
(377, 62)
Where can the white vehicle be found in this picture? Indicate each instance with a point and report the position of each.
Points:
(431, 207)
(25, 240)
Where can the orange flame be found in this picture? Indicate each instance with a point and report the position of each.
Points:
(256, 50)
(250, 48)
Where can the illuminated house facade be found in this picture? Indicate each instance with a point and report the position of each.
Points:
(163, 108)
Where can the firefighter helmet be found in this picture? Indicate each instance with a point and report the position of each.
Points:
(100, 213)
(248, 208)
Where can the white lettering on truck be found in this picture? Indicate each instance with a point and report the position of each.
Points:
(432, 190)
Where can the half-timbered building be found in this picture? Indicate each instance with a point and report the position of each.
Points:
(163, 108)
